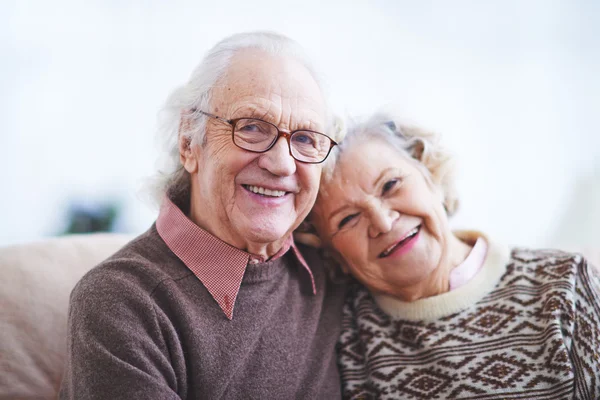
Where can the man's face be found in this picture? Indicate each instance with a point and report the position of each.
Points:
(225, 178)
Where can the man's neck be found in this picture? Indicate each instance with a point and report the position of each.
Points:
(263, 250)
(266, 250)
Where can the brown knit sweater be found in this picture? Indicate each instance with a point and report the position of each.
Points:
(142, 326)
(526, 327)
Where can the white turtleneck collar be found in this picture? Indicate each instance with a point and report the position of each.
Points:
(448, 303)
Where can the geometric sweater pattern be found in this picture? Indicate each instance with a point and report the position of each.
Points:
(535, 334)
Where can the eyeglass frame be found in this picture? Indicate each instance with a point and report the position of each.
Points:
(280, 132)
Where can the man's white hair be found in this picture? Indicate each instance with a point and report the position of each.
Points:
(171, 177)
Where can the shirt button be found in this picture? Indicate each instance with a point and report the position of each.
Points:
(254, 261)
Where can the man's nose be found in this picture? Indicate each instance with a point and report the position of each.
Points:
(382, 220)
(278, 160)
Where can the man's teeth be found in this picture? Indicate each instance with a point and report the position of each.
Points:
(265, 192)
(411, 233)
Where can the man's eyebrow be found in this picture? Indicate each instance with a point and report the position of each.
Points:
(267, 115)
(253, 111)
(262, 114)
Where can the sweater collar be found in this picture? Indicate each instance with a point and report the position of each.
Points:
(469, 293)
(218, 265)
(467, 269)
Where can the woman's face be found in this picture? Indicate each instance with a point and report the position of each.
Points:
(384, 217)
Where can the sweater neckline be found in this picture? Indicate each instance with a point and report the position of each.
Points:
(453, 301)
(466, 270)
(264, 271)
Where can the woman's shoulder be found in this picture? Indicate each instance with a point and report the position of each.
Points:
(529, 255)
(545, 266)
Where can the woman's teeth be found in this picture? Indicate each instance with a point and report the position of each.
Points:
(406, 237)
(265, 192)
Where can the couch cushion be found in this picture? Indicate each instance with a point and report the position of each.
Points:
(37, 279)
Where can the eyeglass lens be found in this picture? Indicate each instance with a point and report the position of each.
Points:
(257, 135)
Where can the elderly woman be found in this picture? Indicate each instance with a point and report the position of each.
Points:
(437, 314)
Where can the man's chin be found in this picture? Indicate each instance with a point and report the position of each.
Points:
(269, 231)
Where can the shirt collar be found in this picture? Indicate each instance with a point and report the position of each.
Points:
(206, 255)
(466, 270)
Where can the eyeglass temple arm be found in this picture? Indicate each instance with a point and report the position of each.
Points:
(211, 115)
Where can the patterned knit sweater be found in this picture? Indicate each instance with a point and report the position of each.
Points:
(527, 326)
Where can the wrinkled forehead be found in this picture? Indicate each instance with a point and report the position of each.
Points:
(275, 88)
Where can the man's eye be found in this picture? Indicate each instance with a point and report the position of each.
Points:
(250, 128)
(389, 185)
(303, 139)
(346, 219)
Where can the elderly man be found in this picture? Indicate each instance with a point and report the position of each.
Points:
(215, 300)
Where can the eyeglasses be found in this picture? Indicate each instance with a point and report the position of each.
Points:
(260, 136)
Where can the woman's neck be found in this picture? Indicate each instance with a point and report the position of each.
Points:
(494, 266)
(438, 281)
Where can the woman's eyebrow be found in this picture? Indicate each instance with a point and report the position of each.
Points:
(384, 174)
(336, 212)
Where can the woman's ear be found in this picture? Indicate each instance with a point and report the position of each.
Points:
(417, 149)
(417, 146)
(307, 238)
(306, 232)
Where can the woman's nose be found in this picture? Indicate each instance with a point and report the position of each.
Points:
(382, 220)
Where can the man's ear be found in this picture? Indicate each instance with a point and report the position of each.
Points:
(186, 156)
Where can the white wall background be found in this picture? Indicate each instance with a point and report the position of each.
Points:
(513, 85)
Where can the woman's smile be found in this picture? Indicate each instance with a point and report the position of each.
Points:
(402, 246)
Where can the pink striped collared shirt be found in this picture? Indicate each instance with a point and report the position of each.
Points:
(206, 255)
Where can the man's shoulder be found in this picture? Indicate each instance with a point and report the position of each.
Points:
(314, 257)
(136, 269)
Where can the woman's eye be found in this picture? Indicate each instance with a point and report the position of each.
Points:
(345, 220)
(389, 185)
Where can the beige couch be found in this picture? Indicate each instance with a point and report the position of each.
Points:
(35, 284)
